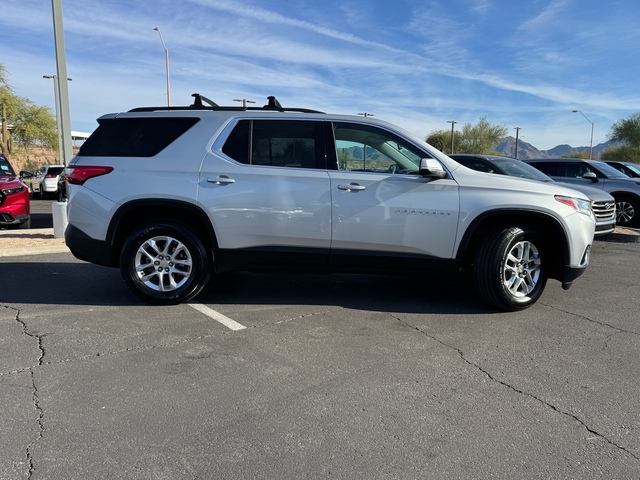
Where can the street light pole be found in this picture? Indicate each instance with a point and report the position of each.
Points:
(58, 119)
(63, 86)
(517, 129)
(166, 63)
(591, 142)
(453, 123)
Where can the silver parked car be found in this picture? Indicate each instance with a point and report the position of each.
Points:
(602, 203)
(595, 173)
(174, 196)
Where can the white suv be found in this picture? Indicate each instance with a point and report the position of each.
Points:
(45, 181)
(175, 195)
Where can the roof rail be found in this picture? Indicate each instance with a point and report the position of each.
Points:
(200, 101)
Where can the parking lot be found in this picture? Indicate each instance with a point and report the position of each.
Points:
(341, 376)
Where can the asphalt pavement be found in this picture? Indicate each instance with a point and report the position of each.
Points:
(307, 376)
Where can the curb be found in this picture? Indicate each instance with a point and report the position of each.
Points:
(44, 233)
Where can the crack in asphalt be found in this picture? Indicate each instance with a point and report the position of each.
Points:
(522, 392)
(140, 348)
(34, 392)
(591, 320)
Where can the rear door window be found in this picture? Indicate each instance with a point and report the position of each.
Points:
(277, 143)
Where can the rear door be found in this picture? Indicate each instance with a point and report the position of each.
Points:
(266, 190)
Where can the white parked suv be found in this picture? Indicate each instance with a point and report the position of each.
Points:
(45, 181)
(173, 196)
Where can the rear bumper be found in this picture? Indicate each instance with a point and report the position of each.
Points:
(89, 249)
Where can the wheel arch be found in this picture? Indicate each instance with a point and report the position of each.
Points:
(137, 212)
(549, 228)
(624, 193)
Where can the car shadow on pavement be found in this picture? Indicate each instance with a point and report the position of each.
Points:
(404, 294)
(87, 284)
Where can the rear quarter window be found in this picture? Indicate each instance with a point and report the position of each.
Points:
(135, 137)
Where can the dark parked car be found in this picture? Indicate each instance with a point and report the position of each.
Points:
(15, 209)
(630, 169)
(595, 173)
(62, 187)
(602, 203)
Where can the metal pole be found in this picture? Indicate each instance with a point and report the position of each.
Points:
(166, 63)
(453, 123)
(517, 132)
(57, 112)
(63, 87)
(591, 141)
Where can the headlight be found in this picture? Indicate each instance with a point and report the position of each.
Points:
(11, 191)
(578, 204)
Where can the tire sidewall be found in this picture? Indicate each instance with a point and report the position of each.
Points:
(199, 274)
(512, 237)
(489, 266)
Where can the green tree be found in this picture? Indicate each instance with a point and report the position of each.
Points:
(583, 155)
(30, 123)
(481, 138)
(441, 139)
(622, 153)
(627, 131)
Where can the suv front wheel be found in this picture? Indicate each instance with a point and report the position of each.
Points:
(164, 263)
(509, 271)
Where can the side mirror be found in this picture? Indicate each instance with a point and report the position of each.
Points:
(591, 176)
(430, 167)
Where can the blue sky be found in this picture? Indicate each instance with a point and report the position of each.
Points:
(416, 63)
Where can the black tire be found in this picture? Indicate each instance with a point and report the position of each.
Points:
(627, 211)
(164, 263)
(509, 270)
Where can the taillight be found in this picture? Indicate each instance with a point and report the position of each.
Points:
(80, 174)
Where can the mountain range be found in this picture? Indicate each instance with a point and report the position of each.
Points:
(507, 146)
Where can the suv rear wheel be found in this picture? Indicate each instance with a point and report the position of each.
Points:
(509, 271)
(164, 262)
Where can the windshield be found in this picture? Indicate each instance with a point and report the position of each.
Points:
(633, 166)
(517, 168)
(608, 170)
(5, 168)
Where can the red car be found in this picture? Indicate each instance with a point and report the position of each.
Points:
(15, 210)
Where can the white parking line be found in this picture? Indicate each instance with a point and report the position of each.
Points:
(218, 317)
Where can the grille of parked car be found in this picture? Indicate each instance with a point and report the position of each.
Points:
(604, 210)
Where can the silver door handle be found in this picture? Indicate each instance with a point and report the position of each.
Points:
(352, 187)
(221, 180)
